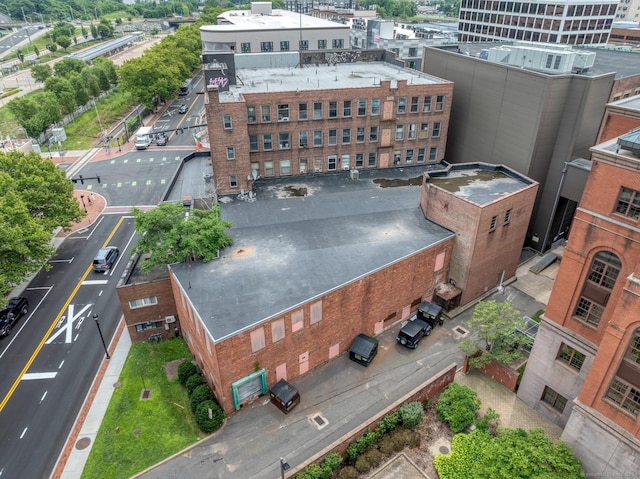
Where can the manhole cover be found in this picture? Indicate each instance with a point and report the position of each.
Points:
(443, 450)
(145, 394)
(319, 421)
(460, 331)
(83, 443)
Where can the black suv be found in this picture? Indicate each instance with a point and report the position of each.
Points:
(421, 324)
(16, 308)
(412, 332)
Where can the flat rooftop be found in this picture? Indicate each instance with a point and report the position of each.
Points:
(304, 237)
(241, 20)
(623, 63)
(323, 77)
(479, 184)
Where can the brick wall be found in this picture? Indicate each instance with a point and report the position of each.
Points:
(166, 306)
(238, 136)
(346, 312)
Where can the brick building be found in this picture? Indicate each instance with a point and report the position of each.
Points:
(489, 208)
(289, 120)
(316, 261)
(583, 370)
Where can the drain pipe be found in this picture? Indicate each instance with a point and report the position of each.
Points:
(556, 200)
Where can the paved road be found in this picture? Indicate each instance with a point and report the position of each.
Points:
(55, 352)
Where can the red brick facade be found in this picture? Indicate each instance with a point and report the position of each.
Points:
(482, 256)
(149, 319)
(268, 163)
(617, 121)
(367, 305)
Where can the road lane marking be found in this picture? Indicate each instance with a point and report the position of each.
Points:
(32, 376)
(163, 181)
(23, 432)
(68, 328)
(44, 396)
(95, 281)
(26, 367)
(134, 183)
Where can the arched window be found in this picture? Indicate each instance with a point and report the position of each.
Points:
(624, 390)
(597, 288)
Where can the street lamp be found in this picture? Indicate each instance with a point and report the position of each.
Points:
(284, 467)
(95, 317)
(85, 210)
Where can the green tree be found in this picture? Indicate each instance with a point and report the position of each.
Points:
(35, 198)
(63, 41)
(41, 72)
(94, 31)
(496, 325)
(20, 55)
(81, 95)
(105, 29)
(68, 65)
(35, 112)
(62, 29)
(36, 50)
(91, 82)
(109, 68)
(62, 89)
(146, 79)
(513, 453)
(170, 236)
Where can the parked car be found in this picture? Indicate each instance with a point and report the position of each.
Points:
(161, 139)
(105, 259)
(16, 308)
(363, 349)
(182, 109)
(430, 313)
(413, 331)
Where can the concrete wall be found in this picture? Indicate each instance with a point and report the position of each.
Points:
(544, 369)
(604, 448)
(367, 305)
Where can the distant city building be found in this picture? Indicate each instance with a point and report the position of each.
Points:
(628, 10)
(626, 33)
(573, 22)
(262, 30)
(584, 369)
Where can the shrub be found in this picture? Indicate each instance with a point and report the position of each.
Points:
(411, 414)
(374, 457)
(333, 460)
(352, 451)
(489, 422)
(361, 444)
(388, 423)
(200, 394)
(193, 382)
(362, 464)
(411, 438)
(209, 424)
(457, 406)
(348, 472)
(185, 371)
(386, 445)
(398, 440)
(322, 471)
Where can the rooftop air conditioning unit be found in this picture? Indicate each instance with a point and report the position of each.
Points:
(284, 118)
(170, 319)
(354, 174)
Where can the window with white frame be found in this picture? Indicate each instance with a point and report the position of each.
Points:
(331, 162)
(245, 47)
(439, 102)
(142, 302)
(283, 112)
(372, 159)
(268, 168)
(285, 167)
(317, 110)
(435, 132)
(362, 107)
(317, 137)
(411, 134)
(251, 114)
(424, 130)
(333, 137)
(346, 136)
(421, 153)
(231, 153)
(359, 160)
(426, 106)
(375, 106)
(433, 153)
(373, 134)
(302, 111)
(408, 159)
(415, 101)
(284, 141)
(304, 44)
(284, 46)
(253, 143)
(399, 132)
(266, 46)
(346, 108)
(303, 139)
(267, 142)
(360, 134)
(226, 120)
(402, 104)
(333, 109)
(233, 181)
(322, 44)
(266, 113)
(337, 43)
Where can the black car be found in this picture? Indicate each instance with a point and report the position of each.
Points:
(16, 308)
(413, 331)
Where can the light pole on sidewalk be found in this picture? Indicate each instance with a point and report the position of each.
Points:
(284, 467)
(106, 351)
(85, 210)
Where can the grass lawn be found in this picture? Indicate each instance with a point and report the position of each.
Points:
(84, 132)
(137, 434)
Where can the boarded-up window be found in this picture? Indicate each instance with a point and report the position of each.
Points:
(257, 340)
(208, 344)
(277, 330)
(334, 350)
(281, 372)
(297, 320)
(316, 312)
(440, 261)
